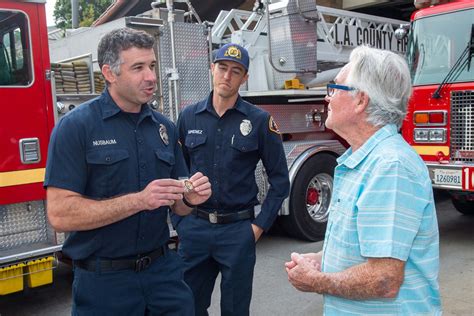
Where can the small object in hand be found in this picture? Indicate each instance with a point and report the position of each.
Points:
(188, 186)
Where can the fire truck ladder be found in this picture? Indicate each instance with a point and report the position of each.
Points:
(248, 28)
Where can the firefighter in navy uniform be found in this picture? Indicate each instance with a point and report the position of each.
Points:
(111, 177)
(224, 137)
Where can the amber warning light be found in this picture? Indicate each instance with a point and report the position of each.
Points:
(429, 118)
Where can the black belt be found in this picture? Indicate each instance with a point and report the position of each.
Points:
(140, 263)
(216, 217)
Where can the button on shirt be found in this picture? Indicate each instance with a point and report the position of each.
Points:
(383, 207)
(227, 150)
(101, 152)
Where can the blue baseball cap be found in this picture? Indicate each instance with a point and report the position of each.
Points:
(233, 52)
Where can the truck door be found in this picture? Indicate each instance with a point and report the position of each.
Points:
(26, 117)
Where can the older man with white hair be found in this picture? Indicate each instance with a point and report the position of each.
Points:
(381, 250)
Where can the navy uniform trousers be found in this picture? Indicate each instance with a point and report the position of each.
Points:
(156, 290)
(209, 248)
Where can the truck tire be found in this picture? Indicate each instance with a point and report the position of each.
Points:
(463, 204)
(309, 198)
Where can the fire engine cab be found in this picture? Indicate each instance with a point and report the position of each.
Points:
(27, 242)
(440, 120)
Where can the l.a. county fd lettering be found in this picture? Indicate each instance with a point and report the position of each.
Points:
(351, 35)
(102, 142)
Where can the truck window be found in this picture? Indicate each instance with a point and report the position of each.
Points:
(15, 60)
(434, 47)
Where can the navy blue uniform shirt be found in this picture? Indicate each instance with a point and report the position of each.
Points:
(227, 150)
(100, 152)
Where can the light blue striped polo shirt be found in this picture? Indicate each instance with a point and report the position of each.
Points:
(382, 206)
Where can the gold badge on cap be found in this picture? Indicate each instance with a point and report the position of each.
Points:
(164, 134)
(233, 52)
(245, 127)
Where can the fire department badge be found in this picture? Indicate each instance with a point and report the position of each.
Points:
(188, 186)
(245, 127)
(272, 125)
(233, 52)
(164, 134)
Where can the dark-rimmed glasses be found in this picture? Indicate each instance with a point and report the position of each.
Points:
(331, 87)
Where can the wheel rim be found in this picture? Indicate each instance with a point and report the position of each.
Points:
(318, 196)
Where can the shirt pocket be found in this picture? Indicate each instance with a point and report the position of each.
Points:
(344, 229)
(165, 163)
(107, 170)
(244, 145)
(195, 144)
(244, 153)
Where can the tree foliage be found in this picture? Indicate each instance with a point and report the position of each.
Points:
(89, 11)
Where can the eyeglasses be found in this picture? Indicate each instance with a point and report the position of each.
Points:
(331, 87)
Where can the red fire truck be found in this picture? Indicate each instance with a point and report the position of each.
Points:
(27, 242)
(440, 120)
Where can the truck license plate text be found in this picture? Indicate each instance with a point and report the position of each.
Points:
(442, 176)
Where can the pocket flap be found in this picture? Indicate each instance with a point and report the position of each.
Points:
(165, 156)
(107, 156)
(245, 144)
(193, 140)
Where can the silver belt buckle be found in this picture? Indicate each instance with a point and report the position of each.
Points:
(213, 218)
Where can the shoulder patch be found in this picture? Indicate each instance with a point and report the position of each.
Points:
(273, 126)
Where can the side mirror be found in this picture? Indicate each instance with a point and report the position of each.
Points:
(402, 31)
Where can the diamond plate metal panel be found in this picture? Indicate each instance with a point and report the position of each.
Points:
(293, 43)
(192, 62)
(307, 8)
(23, 224)
(293, 149)
(297, 118)
(462, 126)
(262, 182)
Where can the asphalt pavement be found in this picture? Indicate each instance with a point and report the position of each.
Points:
(272, 294)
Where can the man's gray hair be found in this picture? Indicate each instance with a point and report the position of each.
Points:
(118, 40)
(385, 77)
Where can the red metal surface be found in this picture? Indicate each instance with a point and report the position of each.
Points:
(421, 100)
(27, 111)
(22, 193)
(468, 178)
(312, 196)
(442, 8)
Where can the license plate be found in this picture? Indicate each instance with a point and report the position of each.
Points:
(450, 177)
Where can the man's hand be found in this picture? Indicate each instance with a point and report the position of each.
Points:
(257, 232)
(201, 189)
(316, 257)
(375, 278)
(303, 271)
(161, 192)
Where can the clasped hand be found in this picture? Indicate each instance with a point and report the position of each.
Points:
(201, 190)
(303, 270)
(165, 192)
